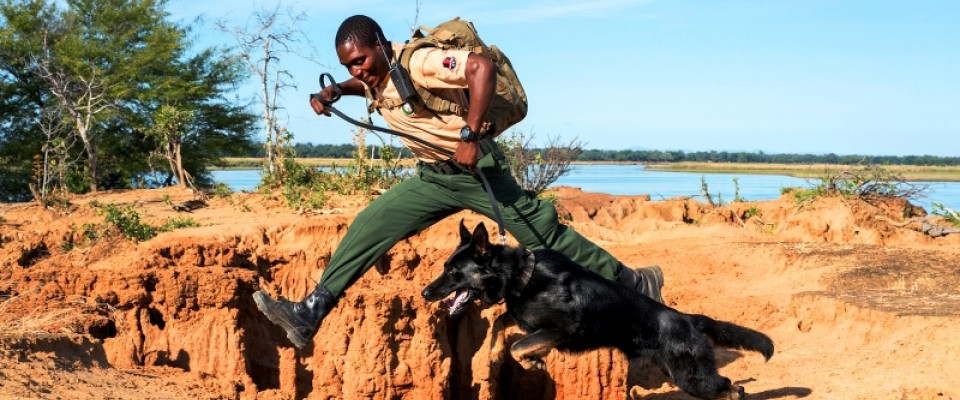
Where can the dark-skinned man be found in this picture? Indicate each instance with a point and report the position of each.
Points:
(442, 186)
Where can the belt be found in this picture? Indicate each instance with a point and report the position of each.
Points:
(449, 167)
(445, 167)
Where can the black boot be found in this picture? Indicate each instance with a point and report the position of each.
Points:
(647, 280)
(300, 319)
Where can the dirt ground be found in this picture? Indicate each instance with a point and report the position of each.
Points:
(858, 306)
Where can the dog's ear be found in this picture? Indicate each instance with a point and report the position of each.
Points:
(480, 240)
(464, 233)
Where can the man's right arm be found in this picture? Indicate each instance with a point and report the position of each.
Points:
(349, 87)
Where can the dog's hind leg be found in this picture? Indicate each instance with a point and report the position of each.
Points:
(699, 377)
(530, 349)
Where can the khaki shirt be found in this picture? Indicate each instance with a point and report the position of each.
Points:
(431, 68)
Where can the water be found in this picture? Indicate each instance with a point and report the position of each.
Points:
(634, 179)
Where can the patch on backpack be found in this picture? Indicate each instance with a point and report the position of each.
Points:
(450, 63)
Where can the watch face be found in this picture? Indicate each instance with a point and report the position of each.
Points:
(466, 134)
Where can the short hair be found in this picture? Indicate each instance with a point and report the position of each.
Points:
(359, 29)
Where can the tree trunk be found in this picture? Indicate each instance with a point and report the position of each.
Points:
(181, 174)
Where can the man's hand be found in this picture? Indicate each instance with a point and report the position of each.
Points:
(317, 105)
(466, 155)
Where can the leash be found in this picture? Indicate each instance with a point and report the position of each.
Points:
(338, 92)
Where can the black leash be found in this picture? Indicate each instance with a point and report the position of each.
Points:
(337, 93)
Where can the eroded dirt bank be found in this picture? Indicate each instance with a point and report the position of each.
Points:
(858, 307)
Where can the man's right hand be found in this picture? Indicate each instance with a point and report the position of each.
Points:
(317, 105)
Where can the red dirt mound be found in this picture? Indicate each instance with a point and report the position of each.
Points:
(860, 305)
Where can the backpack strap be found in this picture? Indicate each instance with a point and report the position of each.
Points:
(429, 99)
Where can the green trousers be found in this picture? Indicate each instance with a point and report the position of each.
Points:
(426, 198)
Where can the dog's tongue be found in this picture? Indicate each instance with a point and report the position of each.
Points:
(457, 301)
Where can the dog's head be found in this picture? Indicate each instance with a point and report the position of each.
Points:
(467, 274)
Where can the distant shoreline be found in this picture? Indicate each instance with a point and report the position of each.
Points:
(912, 173)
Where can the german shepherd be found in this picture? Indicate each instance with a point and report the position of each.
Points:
(560, 304)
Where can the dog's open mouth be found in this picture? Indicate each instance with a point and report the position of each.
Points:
(459, 301)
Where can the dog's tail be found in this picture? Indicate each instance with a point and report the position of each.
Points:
(726, 334)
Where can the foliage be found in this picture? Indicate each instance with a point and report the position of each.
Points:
(751, 212)
(537, 169)
(221, 190)
(130, 60)
(127, 221)
(303, 186)
(178, 223)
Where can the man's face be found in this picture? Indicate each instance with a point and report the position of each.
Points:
(364, 63)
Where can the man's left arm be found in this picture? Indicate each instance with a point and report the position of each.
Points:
(481, 74)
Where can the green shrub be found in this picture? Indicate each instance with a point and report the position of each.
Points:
(127, 221)
(221, 190)
(178, 223)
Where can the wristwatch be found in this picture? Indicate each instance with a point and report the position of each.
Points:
(469, 135)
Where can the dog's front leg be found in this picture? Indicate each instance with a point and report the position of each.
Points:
(530, 350)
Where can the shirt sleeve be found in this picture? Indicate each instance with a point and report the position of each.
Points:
(438, 68)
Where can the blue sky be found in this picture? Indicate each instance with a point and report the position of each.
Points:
(844, 77)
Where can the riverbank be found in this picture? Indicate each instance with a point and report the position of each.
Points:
(913, 173)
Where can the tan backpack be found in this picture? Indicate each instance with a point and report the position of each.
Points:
(509, 104)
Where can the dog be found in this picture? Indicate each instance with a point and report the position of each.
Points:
(560, 304)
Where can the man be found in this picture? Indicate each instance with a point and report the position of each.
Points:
(441, 186)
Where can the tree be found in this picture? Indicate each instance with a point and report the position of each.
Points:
(108, 67)
(168, 130)
(261, 48)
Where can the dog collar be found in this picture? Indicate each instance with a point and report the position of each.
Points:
(529, 260)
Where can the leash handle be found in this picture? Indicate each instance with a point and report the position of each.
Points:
(337, 91)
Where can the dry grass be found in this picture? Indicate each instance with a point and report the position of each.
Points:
(21, 317)
(909, 172)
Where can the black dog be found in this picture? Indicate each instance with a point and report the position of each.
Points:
(564, 306)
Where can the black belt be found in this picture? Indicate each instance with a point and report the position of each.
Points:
(445, 167)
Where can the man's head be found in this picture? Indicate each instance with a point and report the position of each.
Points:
(360, 50)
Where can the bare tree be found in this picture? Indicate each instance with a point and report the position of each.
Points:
(82, 96)
(55, 158)
(536, 169)
(261, 47)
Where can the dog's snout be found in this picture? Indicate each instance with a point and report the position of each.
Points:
(426, 293)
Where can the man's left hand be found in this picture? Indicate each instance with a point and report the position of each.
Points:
(466, 155)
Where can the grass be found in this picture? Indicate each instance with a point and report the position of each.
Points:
(19, 318)
(912, 173)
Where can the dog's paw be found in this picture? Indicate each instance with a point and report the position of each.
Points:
(533, 363)
(736, 393)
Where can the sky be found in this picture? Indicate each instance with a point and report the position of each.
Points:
(813, 76)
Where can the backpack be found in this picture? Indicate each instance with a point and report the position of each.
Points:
(509, 104)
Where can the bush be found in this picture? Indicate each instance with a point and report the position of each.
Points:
(537, 169)
(951, 216)
(127, 221)
(869, 183)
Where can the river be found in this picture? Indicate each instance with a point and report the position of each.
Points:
(635, 179)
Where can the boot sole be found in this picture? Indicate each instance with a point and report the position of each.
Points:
(263, 301)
